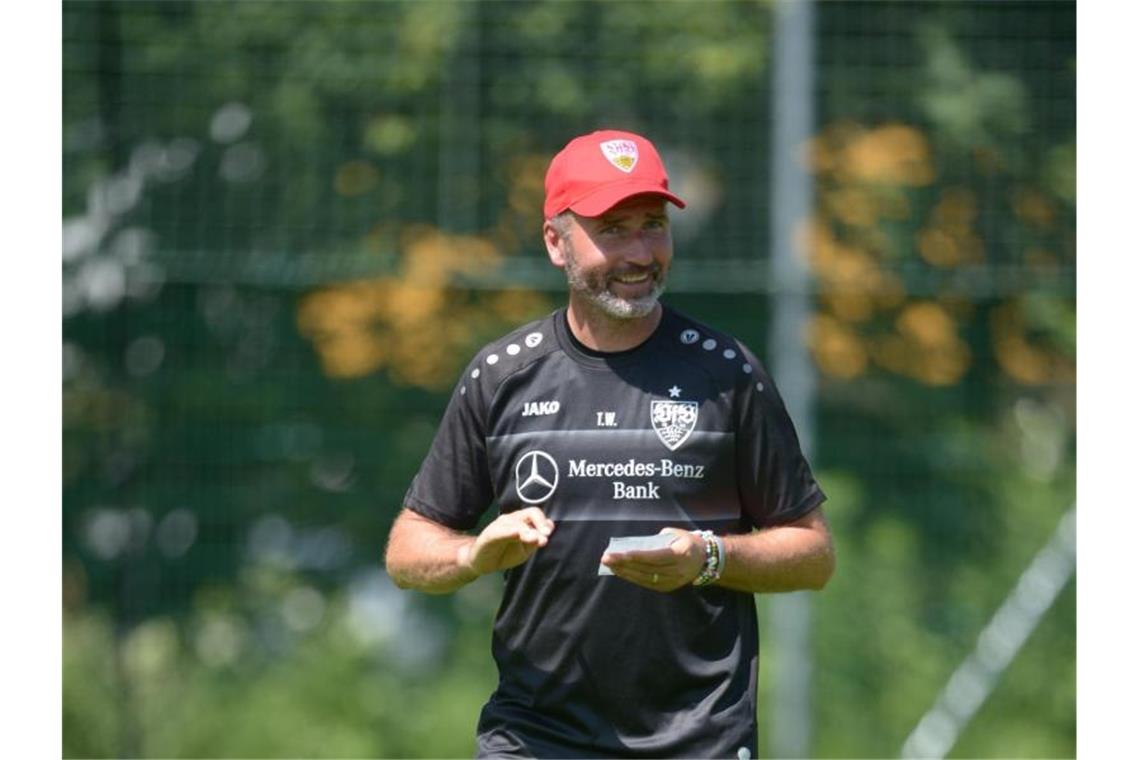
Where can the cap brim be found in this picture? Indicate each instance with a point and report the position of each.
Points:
(604, 198)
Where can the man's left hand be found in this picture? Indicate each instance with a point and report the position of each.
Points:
(666, 569)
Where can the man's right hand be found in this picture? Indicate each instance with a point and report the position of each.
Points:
(507, 541)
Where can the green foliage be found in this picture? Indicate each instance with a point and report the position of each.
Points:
(328, 694)
(91, 697)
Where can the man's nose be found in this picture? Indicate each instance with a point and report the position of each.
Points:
(640, 249)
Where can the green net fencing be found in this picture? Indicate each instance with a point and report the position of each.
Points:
(287, 226)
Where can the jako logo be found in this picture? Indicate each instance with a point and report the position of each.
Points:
(538, 408)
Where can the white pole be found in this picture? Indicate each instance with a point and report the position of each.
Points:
(1000, 641)
(789, 707)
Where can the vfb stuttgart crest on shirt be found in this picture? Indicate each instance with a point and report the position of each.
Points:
(673, 421)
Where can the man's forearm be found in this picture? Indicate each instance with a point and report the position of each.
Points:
(792, 557)
(428, 557)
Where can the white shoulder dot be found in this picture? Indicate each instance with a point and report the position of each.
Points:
(690, 336)
(747, 369)
(474, 373)
(709, 344)
(533, 339)
(463, 390)
(759, 386)
(492, 358)
(513, 349)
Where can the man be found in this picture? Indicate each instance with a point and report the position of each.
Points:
(616, 416)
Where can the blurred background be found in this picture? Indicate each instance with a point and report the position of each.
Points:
(288, 226)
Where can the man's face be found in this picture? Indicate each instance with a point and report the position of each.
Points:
(618, 262)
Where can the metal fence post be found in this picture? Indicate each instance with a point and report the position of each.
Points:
(789, 708)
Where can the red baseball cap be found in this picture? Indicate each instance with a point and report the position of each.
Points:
(595, 172)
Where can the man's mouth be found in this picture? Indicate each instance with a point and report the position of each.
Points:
(632, 278)
(633, 285)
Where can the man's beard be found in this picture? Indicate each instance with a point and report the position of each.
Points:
(593, 287)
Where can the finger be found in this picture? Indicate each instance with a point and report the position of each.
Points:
(509, 528)
(653, 557)
(538, 519)
(641, 570)
(529, 535)
(681, 539)
(651, 580)
(512, 525)
(542, 522)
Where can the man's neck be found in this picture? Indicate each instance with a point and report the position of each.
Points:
(601, 332)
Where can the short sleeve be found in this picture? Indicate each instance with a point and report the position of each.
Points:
(453, 485)
(773, 475)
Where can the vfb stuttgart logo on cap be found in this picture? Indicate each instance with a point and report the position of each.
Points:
(621, 153)
(673, 421)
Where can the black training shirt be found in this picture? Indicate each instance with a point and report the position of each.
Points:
(686, 430)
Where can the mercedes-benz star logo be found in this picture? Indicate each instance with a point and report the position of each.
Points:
(536, 477)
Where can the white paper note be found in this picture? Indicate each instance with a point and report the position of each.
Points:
(635, 544)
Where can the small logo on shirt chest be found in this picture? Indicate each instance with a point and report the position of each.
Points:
(540, 408)
(673, 421)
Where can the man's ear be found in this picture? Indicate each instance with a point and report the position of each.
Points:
(553, 239)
